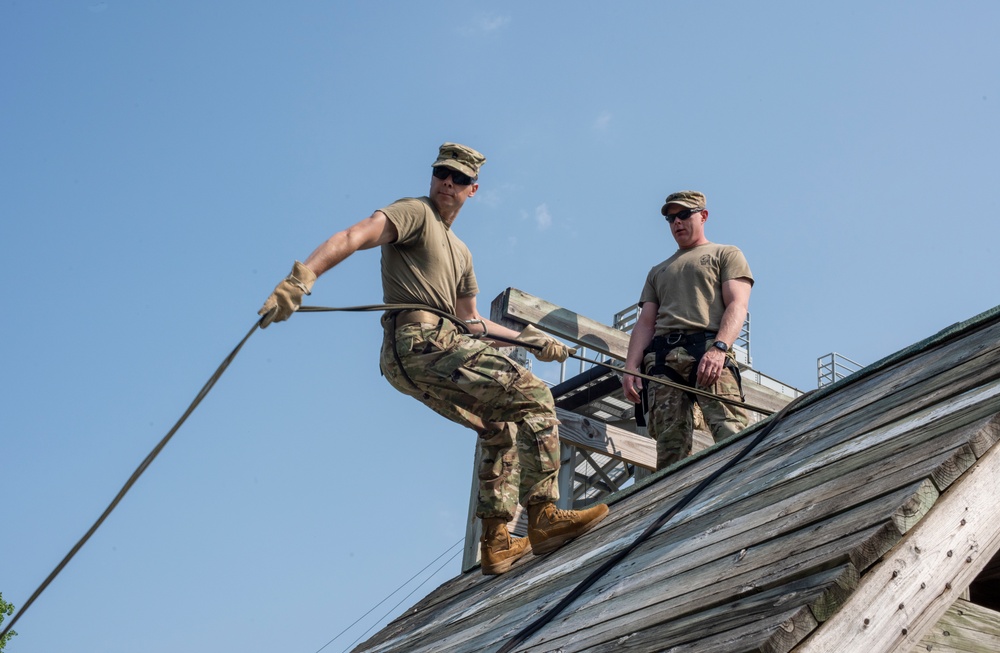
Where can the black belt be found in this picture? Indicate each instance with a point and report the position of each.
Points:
(694, 343)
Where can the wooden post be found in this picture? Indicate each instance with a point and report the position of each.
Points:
(899, 600)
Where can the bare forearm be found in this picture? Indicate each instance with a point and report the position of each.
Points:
(732, 323)
(479, 325)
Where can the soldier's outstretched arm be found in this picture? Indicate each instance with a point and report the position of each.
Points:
(373, 231)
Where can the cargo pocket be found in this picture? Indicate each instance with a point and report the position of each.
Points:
(544, 436)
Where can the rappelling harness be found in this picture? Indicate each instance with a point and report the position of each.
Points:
(694, 343)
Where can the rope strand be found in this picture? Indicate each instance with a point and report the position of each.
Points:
(131, 480)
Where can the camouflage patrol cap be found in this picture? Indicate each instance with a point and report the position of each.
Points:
(689, 199)
(461, 158)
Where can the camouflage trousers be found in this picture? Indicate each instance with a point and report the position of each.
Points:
(671, 413)
(473, 384)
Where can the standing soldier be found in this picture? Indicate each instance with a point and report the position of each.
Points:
(455, 373)
(692, 309)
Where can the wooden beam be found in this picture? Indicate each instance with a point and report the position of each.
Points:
(965, 627)
(565, 324)
(612, 486)
(901, 598)
(594, 435)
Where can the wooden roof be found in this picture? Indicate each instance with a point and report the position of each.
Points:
(853, 526)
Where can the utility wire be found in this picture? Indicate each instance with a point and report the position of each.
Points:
(372, 609)
(401, 601)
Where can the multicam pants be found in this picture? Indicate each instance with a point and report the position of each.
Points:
(671, 417)
(473, 384)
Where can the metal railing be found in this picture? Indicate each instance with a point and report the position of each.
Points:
(833, 367)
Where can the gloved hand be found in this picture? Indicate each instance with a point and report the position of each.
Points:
(551, 349)
(287, 295)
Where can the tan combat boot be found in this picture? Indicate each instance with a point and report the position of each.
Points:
(550, 528)
(498, 550)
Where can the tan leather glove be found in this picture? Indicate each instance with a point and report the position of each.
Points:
(287, 295)
(551, 349)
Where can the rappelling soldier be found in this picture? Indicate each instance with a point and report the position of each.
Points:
(441, 354)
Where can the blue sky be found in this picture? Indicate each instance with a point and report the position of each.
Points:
(163, 163)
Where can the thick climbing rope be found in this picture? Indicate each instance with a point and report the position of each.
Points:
(222, 368)
(464, 327)
(131, 480)
(521, 636)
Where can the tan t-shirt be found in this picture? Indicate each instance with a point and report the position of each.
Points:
(427, 264)
(688, 287)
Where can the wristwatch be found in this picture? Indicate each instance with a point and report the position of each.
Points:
(721, 346)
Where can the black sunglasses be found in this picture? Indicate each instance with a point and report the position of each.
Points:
(682, 215)
(460, 178)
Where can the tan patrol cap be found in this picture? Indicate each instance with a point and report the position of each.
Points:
(689, 199)
(461, 158)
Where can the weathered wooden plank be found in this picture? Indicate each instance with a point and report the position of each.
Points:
(837, 592)
(865, 473)
(790, 444)
(964, 628)
(666, 629)
(800, 503)
(508, 608)
(685, 470)
(565, 324)
(924, 574)
(984, 440)
(641, 565)
(594, 435)
(755, 557)
(747, 639)
(751, 576)
(883, 396)
(888, 440)
(676, 586)
(952, 469)
(796, 500)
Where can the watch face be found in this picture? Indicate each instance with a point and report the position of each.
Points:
(718, 344)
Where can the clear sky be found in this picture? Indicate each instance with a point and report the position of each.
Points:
(163, 163)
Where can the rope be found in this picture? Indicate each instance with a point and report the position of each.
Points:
(464, 327)
(595, 575)
(222, 368)
(131, 481)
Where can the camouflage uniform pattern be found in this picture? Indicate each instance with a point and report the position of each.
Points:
(671, 415)
(475, 385)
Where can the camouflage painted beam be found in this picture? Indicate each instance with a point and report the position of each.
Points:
(521, 307)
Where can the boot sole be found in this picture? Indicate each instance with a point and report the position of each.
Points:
(503, 566)
(550, 544)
